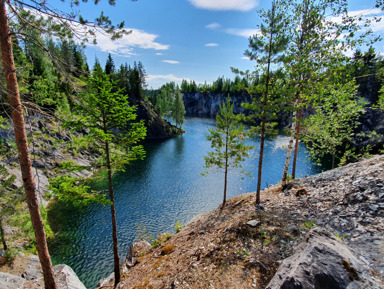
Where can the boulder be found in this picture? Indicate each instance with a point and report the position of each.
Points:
(135, 250)
(66, 278)
(8, 281)
(322, 261)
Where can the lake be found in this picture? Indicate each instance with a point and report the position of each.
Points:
(157, 192)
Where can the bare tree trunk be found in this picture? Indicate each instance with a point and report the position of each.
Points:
(2, 236)
(116, 257)
(296, 143)
(22, 146)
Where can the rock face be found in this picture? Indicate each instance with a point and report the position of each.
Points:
(8, 281)
(32, 278)
(157, 128)
(66, 278)
(322, 261)
(208, 104)
(371, 121)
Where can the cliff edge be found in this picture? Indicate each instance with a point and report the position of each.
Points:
(323, 231)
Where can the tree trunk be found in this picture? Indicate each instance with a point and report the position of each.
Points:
(289, 152)
(226, 166)
(2, 236)
(296, 143)
(22, 146)
(116, 257)
(262, 137)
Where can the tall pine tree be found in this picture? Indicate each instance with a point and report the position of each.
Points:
(266, 49)
(112, 127)
(227, 142)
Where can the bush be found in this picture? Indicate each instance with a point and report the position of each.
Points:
(178, 226)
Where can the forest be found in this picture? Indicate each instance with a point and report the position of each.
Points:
(53, 100)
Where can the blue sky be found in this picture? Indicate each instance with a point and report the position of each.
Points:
(188, 39)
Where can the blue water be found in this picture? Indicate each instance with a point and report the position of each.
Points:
(156, 193)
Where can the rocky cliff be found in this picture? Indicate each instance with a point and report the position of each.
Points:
(207, 104)
(324, 231)
(157, 127)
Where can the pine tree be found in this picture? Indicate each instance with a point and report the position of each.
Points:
(266, 49)
(227, 142)
(178, 109)
(110, 65)
(315, 47)
(111, 121)
(57, 24)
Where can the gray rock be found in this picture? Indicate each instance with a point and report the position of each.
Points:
(106, 281)
(322, 261)
(135, 250)
(256, 263)
(8, 281)
(253, 223)
(33, 270)
(66, 278)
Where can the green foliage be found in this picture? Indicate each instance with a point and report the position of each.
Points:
(164, 101)
(110, 119)
(178, 109)
(227, 140)
(22, 220)
(380, 101)
(340, 237)
(178, 226)
(10, 254)
(73, 190)
(309, 224)
(243, 253)
(331, 129)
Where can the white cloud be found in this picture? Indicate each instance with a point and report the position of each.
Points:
(213, 25)
(125, 46)
(171, 61)
(242, 32)
(240, 5)
(159, 53)
(245, 57)
(156, 81)
(211, 44)
(361, 16)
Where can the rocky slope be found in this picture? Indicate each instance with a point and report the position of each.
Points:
(27, 274)
(334, 220)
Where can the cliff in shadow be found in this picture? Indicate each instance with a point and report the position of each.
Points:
(207, 104)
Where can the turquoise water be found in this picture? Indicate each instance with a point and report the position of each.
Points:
(156, 193)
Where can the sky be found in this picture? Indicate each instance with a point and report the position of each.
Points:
(196, 40)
